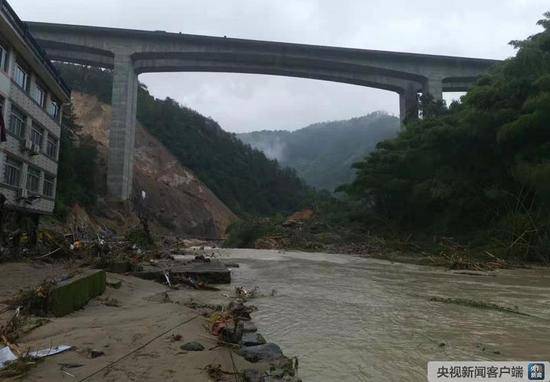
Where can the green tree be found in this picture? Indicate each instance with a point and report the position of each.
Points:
(77, 178)
(483, 164)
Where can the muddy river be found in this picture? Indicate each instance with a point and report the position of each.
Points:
(356, 319)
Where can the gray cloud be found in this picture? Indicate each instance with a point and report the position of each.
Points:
(242, 102)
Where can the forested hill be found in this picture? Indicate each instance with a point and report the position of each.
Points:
(482, 165)
(243, 178)
(323, 153)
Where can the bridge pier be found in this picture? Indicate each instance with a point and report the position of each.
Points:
(123, 126)
(408, 103)
(434, 87)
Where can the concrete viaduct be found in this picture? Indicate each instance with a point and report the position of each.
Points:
(131, 52)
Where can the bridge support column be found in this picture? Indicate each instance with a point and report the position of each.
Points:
(123, 125)
(434, 87)
(408, 103)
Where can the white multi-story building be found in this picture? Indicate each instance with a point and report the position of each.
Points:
(31, 97)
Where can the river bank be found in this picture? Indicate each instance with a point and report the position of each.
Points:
(347, 318)
(316, 231)
(136, 330)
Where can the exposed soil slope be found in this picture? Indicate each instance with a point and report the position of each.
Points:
(176, 198)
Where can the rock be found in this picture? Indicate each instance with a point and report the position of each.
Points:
(252, 339)
(233, 335)
(192, 346)
(249, 327)
(252, 375)
(269, 351)
(277, 373)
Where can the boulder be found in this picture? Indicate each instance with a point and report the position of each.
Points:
(252, 339)
(249, 327)
(266, 352)
(233, 335)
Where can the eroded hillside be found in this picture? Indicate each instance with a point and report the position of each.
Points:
(176, 198)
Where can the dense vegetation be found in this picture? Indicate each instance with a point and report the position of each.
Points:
(323, 154)
(242, 177)
(480, 168)
(78, 169)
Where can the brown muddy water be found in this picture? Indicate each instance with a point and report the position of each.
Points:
(357, 319)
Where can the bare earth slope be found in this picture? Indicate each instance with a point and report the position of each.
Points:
(179, 201)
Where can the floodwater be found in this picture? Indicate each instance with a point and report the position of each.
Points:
(355, 319)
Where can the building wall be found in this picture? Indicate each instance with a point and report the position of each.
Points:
(14, 147)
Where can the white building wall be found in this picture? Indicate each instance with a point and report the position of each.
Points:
(14, 147)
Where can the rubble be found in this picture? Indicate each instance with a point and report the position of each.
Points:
(176, 267)
(16, 364)
(299, 218)
(244, 293)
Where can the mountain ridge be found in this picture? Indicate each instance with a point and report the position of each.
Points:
(323, 153)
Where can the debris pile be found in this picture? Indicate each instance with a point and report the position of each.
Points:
(234, 328)
(177, 263)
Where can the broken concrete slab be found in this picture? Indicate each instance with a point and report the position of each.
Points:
(74, 293)
(213, 272)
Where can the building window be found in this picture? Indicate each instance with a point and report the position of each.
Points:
(3, 58)
(49, 183)
(22, 77)
(51, 147)
(33, 179)
(37, 134)
(12, 172)
(54, 109)
(18, 120)
(39, 95)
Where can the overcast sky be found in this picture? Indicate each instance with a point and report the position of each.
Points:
(244, 102)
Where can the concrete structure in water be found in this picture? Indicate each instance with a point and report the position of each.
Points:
(131, 52)
(31, 99)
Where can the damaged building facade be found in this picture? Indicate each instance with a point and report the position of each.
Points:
(31, 97)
